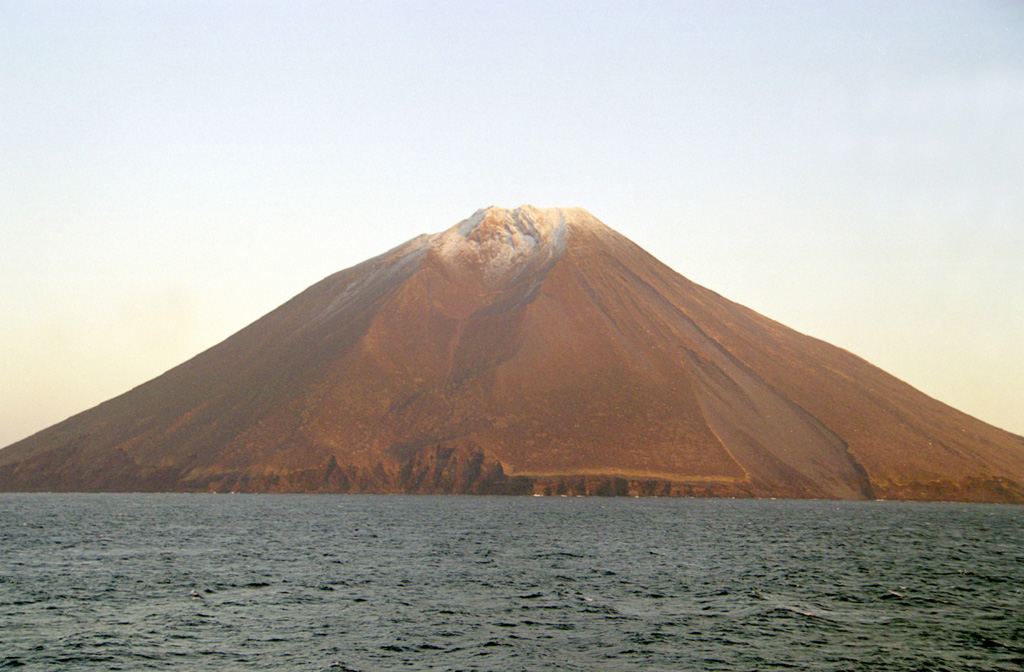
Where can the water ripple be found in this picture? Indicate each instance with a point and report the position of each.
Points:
(362, 584)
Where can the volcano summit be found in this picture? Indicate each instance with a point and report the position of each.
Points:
(523, 351)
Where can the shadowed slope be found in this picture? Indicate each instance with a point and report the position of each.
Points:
(523, 351)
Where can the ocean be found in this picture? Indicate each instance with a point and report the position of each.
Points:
(373, 583)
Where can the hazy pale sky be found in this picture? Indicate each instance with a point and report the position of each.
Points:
(171, 171)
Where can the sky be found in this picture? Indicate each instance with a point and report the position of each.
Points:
(171, 171)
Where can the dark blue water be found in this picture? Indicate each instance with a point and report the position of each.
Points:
(275, 582)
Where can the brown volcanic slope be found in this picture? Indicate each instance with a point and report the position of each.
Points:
(523, 351)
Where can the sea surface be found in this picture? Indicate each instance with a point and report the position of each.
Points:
(282, 582)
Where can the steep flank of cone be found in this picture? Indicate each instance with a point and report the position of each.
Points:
(523, 351)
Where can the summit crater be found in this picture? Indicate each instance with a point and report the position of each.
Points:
(501, 242)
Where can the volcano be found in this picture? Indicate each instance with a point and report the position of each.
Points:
(525, 351)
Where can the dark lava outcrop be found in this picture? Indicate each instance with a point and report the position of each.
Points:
(523, 351)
